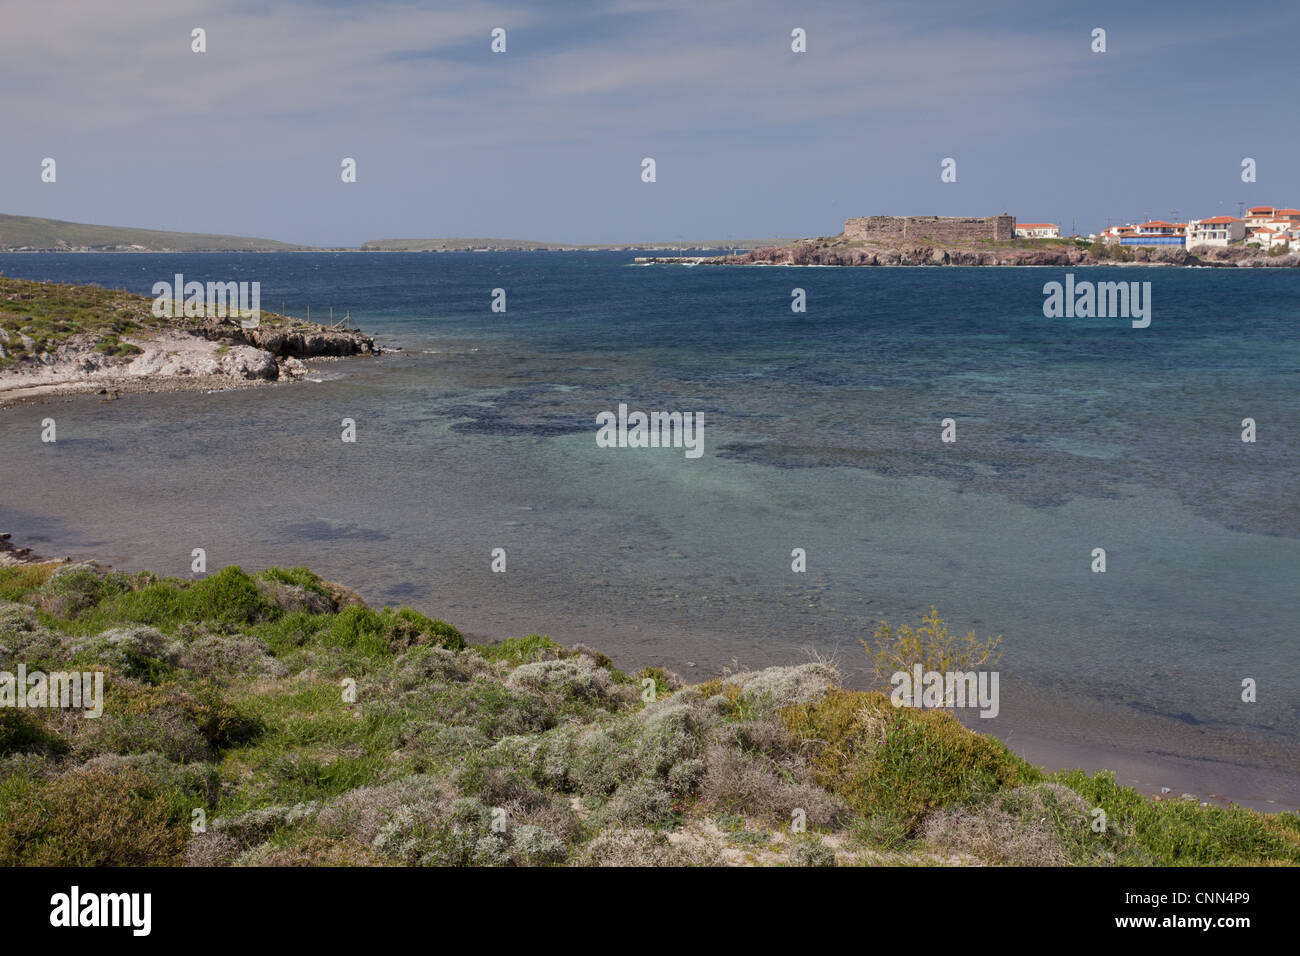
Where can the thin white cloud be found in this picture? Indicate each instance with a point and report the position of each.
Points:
(450, 135)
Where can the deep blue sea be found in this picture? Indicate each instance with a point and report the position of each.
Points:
(822, 432)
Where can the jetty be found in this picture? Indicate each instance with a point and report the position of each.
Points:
(679, 260)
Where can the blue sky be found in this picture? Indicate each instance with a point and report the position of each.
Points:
(546, 140)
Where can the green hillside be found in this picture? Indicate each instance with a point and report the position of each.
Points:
(33, 234)
(29, 233)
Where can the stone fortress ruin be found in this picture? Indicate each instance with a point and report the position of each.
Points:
(935, 228)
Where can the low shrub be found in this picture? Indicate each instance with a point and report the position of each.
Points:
(900, 760)
(125, 817)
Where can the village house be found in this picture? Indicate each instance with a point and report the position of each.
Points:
(1257, 216)
(1037, 230)
(1266, 226)
(1275, 235)
(1271, 228)
(1216, 231)
(1116, 233)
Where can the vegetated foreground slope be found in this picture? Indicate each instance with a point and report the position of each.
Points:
(310, 729)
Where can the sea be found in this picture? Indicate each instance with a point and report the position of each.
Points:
(822, 431)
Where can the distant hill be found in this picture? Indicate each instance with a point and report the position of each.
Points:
(30, 234)
(525, 245)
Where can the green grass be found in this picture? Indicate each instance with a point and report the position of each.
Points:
(901, 762)
(298, 577)
(1182, 833)
(48, 314)
(97, 818)
(227, 599)
(387, 632)
(521, 650)
(18, 582)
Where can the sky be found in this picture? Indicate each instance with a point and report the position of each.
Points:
(546, 140)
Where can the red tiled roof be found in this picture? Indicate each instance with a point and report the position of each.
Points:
(1217, 221)
(1035, 225)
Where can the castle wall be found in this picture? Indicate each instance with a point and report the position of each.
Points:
(936, 228)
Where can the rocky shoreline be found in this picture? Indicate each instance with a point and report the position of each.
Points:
(838, 251)
(81, 339)
(11, 554)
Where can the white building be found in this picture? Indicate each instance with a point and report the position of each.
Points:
(1275, 235)
(1218, 231)
(1037, 230)
(1257, 216)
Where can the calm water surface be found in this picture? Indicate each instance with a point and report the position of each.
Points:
(821, 432)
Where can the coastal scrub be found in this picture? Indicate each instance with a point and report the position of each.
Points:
(273, 718)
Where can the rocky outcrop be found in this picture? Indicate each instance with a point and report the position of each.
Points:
(919, 255)
(11, 554)
(836, 251)
(122, 347)
(175, 354)
(172, 361)
(1266, 262)
(298, 341)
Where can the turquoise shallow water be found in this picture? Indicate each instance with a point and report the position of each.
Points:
(822, 432)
